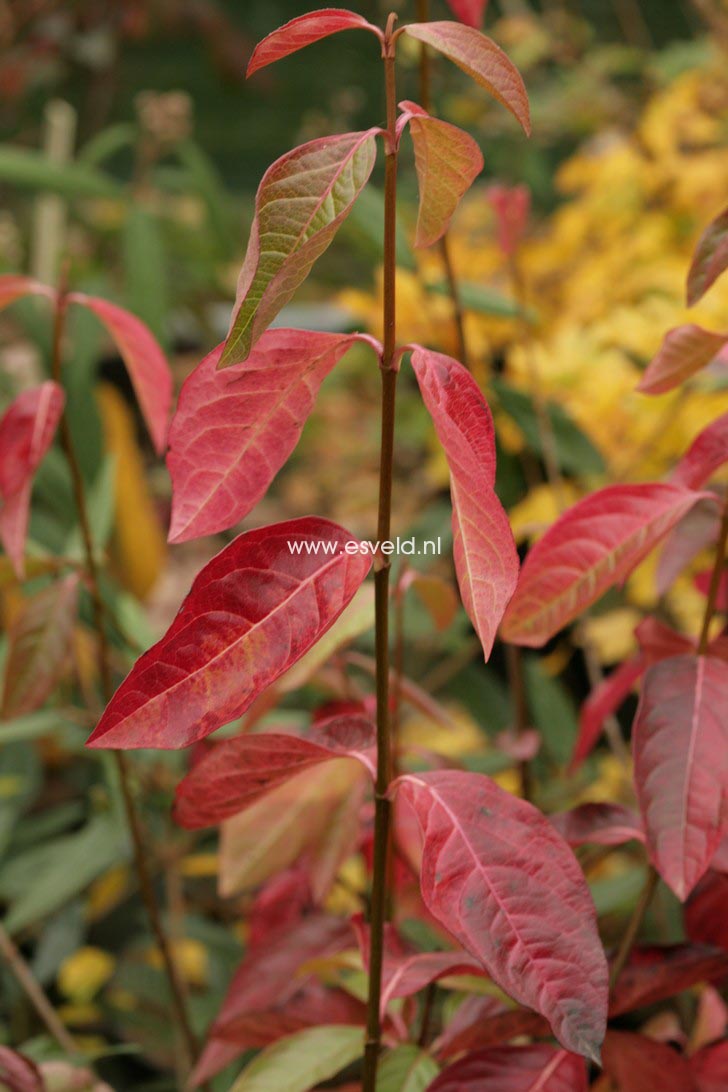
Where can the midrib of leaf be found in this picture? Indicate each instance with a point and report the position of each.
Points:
(690, 758)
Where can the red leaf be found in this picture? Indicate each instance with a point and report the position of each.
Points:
(706, 920)
(237, 772)
(281, 902)
(655, 973)
(710, 260)
(591, 547)
(490, 1028)
(447, 161)
(302, 200)
(512, 205)
(13, 287)
(18, 1073)
(39, 644)
(710, 1067)
(145, 362)
(659, 642)
(470, 12)
(304, 31)
(604, 700)
(708, 452)
(537, 1068)
(27, 429)
(639, 1064)
(681, 765)
(485, 555)
(497, 875)
(234, 430)
(253, 610)
(483, 61)
(684, 351)
(599, 824)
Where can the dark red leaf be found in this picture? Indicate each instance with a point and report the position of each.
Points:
(684, 351)
(303, 31)
(598, 824)
(680, 742)
(655, 973)
(710, 260)
(253, 610)
(497, 875)
(706, 920)
(710, 1067)
(639, 1064)
(486, 561)
(602, 703)
(537, 1068)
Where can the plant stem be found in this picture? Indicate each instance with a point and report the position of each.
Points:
(141, 861)
(382, 814)
(718, 569)
(634, 926)
(34, 992)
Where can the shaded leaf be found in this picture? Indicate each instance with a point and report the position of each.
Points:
(603, 702)
(710, 259)
(301, 1061)
(303, 31)
(483, 61)
(639, 1064)
(705, 918)
(684, 351)
(253, 610)
(599, 824)
(504, 883)
(407, 1068)
(537, 1068)
(680, 741)
(595, 544)
(485, 555)
(301, 201)
(657, 972)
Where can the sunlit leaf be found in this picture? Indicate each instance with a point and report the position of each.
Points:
(303, 31)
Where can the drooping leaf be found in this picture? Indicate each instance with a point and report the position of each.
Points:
(708, 452)
(447, 161)
(471, 12)
(303, 31)
(240, 771)
(705, 918)
(603, 702)
(639, 1064)
(684, 351)
(497, 875)
(253, 610)
(485, 555)
(595, 544)
(301, 1061)
(536, 1068)
(710, 1067)
(407, 1068)
(303, 198)
(27, 429)
(145, 362)
(599, 824)
(680, 742)
(710, 260)
(483, 61)
(233, 430)
(18, 1073)
(39, 645)
(13, 286)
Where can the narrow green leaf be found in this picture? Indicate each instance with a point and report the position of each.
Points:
(299, 1062)
(33, 171)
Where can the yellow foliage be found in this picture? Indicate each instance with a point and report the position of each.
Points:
(82, 974)
(107, 892)
(190, 956)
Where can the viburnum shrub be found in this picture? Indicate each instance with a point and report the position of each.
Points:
(498, 880)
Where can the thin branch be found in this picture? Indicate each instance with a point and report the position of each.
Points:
(34, 992)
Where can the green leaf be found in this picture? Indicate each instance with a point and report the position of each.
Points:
(20, 780)
(145, 270)
(33, 171)
(108, 142)
(406, 1069)
(299, 1062)
(552, 710)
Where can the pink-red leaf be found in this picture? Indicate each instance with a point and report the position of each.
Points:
(681, 765)
(604, 701)
(511, 205)
(497, 875)
(470, 12)
(27, 429)
(304, 31)
(599, 824)
(697, 530)
(656, 973)
(639, 1064)
(684, 351)
(537, 1068)
(39, 645)
(253, 610)
(239, 771)
(483, 61)
(591, 547)
(13, 287)
(145, 362)
(485, 555)
(234, 429)
(301, 202)
(710, 1067)
(710, 260)
(447, 161)
(708, 452)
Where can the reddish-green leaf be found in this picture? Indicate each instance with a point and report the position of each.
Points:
(483, 61)
(301, 202)
(239, 771)
(536, 1068)
(656, 973)
(710, 1067)
(497, 875)
(681, 765)
(14, 287)
(599, 824)
(304, 31)
(591, 547)
(485, 555)
(710, 260)
(639, 1064)
(39, 645)
(26, 432)
(234, 429)
(145, 362)
(447, 161)
(684, 351)
(253, 610)
(471, 12)
(604, 701)
(708, 452)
